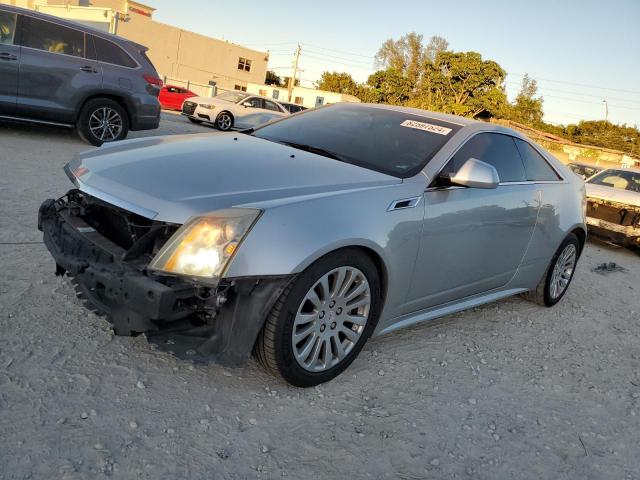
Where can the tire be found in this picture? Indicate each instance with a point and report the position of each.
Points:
(224, 121)
(275, 348)
(544, 294)
(92, 131)
(194, 120)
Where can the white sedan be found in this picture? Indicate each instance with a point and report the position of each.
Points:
(233, 110)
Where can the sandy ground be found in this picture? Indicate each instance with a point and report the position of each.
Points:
(506, 391)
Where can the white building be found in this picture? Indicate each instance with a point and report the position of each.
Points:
(307, 97)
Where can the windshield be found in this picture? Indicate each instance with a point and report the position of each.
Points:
(234, 97)
(620, 179)
(388, 141)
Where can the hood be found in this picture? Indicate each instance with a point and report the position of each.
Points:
(175, 177)
(611, 194)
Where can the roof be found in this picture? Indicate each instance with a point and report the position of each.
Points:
(70, 24)
(445, 117)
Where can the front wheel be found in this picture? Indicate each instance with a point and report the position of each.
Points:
(224, 121)
(102, 120)
(559, 273)
(322, 320)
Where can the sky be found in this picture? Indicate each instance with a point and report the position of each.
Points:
(580, 52)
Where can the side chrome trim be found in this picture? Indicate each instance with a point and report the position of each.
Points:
(33, 120)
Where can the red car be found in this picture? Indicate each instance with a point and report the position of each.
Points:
(171, 97)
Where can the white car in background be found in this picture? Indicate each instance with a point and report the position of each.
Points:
(233, 110)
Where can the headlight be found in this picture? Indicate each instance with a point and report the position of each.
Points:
(202, 247)
(207, 106)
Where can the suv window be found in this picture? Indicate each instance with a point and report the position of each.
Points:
(271, 106)
(536, 167)
(495, 149)
(50, 37)
(109, 52)
(7, 28)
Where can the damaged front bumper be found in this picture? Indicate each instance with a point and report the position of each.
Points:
(200, 322)
(614, 221)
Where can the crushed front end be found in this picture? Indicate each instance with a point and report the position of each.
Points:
(107, 251)
(614, 221)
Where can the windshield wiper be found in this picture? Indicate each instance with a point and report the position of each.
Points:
(317, 150)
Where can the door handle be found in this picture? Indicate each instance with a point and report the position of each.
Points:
(88, 69)
(8, 56)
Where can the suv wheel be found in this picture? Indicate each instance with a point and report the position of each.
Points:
(224, 121)
(102, 120)
(322, 320)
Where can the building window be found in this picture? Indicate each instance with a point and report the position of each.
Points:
(276, 94)
(244, 64)
(319, 101)
(299, 100)
(240, 87)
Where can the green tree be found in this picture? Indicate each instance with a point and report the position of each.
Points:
(408, 54)
(338, 82)
(388, 86)
(462, 83)
(273, 79)
(526, 107)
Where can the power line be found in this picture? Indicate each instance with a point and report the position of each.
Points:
(578, 93)
(533, 77)
(332, 57)
(342, 51)
(340, 63)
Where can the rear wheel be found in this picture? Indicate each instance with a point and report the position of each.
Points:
(322, 320)
(102, 120)
(559, 273)
(224, 121)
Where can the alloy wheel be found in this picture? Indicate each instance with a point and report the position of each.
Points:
(331, 319)
(224, 121)
(562, 271)
(105, 124)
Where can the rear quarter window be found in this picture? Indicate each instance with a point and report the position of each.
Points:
(536, 167)
(109, 52)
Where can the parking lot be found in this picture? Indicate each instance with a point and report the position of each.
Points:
(510, 390)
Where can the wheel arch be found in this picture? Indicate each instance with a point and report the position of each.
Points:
(368, 248)
(119, 99)
(581, 233)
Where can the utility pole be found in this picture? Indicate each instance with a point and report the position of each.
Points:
(292, 79)
(606, 111)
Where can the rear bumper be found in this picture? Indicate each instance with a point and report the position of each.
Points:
(144, 112)
(209, 324)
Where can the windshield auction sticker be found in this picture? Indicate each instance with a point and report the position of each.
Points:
(427, 127)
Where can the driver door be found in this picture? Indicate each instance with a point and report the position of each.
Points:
(474, 239)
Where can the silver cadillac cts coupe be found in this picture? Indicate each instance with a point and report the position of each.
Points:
(300, 239)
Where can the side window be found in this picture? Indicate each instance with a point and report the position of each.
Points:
(7, 27)
(495, 149)
(255, 102)
(52, 38)
(109, 52)
(536, 167)
(271, 106)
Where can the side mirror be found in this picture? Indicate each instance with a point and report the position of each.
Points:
(246, 104)
(475, 173)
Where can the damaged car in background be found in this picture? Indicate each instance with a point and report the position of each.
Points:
(613, 205)
(301, 239)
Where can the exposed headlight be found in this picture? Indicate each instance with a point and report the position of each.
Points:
(208, 106)
(202, 247)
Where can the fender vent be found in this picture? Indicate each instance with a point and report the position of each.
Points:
(404, 203)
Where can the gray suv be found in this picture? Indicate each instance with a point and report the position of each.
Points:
(63, 73)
